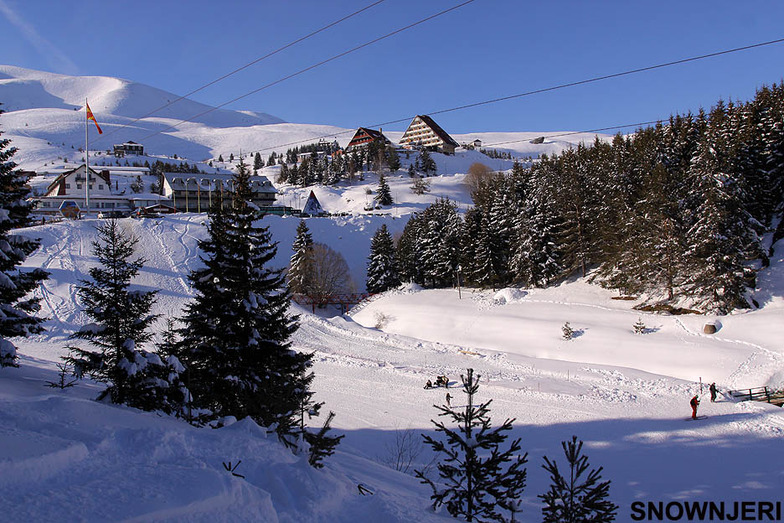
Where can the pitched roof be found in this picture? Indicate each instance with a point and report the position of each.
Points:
(438, 130)
(364, 131)
(59, 182)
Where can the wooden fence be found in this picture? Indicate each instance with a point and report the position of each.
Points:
(766, 394)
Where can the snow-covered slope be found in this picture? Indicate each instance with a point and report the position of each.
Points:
(625, 394)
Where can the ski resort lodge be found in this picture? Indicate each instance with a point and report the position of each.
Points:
(196, 192)
(364, 137)
(125, 191)
(425, 133)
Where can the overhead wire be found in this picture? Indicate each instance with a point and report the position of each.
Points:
(314, 66)
(247, 65)
(549, 89)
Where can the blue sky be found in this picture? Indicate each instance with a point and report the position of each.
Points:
(484, 50)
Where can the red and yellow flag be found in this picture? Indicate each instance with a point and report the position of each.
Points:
(90, 116)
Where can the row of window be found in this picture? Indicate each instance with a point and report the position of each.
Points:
(79, 186)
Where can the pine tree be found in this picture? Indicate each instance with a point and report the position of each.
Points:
(16, 308)
(476, 256)
(121, 326)
(420, 185)
(477, 478)
(426, 164)
(721, 237)
(439, 240)
(382, 266)
(409, 252)
(300, 273)
(570, 500)
(258, 163)
(384, 194)
(235, 335)
(392, 159)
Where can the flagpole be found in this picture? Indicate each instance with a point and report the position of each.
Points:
(86, 163)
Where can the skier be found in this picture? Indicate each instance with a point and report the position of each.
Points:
(429, 384)
(448, 399)
(695, 401)
(713, 392)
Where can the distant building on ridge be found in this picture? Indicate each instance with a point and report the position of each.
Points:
(425, 133)
(128, 148)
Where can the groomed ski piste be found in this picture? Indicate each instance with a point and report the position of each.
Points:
(65, 456)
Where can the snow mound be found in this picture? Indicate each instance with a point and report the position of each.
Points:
(409, 288)
(509, 295)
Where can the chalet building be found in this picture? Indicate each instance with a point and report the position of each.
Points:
(424, 133)
(70, 186)
(477, 143)
(128, 149)
(364, 137)
(191, 192)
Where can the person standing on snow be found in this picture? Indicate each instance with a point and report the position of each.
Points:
(695, 402)
(713, 392)
(448, 399)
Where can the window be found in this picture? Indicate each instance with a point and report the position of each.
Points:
(78, 185)
(100, 186)
(67, 185)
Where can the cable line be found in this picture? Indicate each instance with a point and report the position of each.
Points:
(314, 66)
(553, 88)
(609, 76)
(254, 62)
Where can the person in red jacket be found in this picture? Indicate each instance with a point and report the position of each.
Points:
(695, 402)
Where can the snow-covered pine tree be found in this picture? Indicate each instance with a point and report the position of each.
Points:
(383, 194)
(419, 186)
(121, 326)
(16, 307)
(258, 163)
(439, 243)
(409, 252)
(477, 478)
(476, 259)
(382, 265)
(235, 335)
(721, 236)
(300, 273)
(571, 499)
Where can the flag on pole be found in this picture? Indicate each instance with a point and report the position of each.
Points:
(90, 116)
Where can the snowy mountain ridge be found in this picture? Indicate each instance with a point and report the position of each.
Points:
(44, 118)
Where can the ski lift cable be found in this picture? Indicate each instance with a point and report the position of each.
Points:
(314, 66)
(249, 64)
(554, 88)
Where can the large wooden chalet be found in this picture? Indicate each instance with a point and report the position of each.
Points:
(364, 137)
(425, 133)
